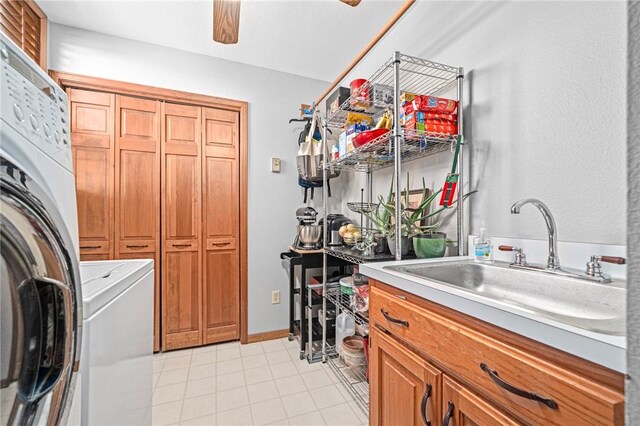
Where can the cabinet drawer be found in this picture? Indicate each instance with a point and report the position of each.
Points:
(94, 247)
(181, 245)
(498, 370)
(137, 246)
(221, 243)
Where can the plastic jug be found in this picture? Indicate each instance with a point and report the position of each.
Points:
(345, 326)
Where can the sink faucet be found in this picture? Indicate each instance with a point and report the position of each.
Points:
(553, 262)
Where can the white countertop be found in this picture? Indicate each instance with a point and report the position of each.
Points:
(603, 349)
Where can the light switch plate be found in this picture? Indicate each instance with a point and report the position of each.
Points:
(275, 165)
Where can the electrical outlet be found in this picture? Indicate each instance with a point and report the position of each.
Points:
(275, 297)
(275, 165)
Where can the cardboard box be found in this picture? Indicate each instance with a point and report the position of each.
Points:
(407, 97)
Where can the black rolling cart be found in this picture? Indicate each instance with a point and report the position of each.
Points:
(308, 329)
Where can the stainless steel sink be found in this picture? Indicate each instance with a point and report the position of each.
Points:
(583, 304)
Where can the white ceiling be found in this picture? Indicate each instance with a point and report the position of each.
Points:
(313, 38)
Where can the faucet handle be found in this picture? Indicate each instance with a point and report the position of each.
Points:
(594, 268)
(521, 258)
(613, 259)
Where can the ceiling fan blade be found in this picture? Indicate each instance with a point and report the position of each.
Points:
(352, 3)
(226, 21)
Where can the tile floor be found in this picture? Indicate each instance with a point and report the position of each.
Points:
(257, 384)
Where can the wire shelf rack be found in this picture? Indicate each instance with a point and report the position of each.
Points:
(417, 75)
(378, 154)
(357, 257)
(355, 380)
(343, 301)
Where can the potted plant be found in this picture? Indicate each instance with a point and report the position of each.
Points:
(417, 223)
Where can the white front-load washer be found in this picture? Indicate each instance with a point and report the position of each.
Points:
(117, 342)
(40, 290)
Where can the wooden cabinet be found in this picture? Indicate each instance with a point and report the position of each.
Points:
(137, 187)
(527, 381)
(159, 180)
(221, 213)
(405, 389)
(461, 407)
(181, 234)
(92, 140)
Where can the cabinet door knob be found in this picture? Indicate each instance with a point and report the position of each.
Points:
(181, 245)
(226, 243)
(135, 246)
(89, 247)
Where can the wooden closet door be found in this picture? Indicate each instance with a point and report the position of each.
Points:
(181, 226)
(137, 188)
(92, 134)
(221, 213)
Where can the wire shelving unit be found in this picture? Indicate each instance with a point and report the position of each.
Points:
(404, 74)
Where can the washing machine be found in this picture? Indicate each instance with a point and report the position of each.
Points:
(116, 363)
(77, 337)
(40, 287)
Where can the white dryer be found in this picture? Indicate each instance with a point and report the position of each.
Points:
(117, 342)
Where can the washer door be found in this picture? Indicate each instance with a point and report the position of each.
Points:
(39, 301)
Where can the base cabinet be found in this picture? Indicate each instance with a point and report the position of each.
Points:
(405, 389)
(462, 407)
(432, 365)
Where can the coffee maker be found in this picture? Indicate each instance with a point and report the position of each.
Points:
(334, 223)
(308, 234)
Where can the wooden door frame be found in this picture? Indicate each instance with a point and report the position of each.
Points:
(69, 80)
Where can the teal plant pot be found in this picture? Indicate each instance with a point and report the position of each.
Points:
(405, 243)
(428, 246)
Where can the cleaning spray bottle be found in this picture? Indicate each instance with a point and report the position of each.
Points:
(482, 247)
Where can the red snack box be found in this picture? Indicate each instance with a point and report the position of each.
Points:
(434, 104)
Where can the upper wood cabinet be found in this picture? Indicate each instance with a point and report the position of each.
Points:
(181, 217)
(137, 187)
(405, 389)
(26, 25)
(92, 140)
(221, 213)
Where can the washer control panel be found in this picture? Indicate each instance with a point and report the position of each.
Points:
(34, 105)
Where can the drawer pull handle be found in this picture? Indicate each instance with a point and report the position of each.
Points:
(137, 246)
(226, 243)
(90, 247)
(423, 405)
(517, 391)
(448, 415)
(394, 320)
(181, 245)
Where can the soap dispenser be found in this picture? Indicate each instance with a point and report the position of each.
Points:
(482, 248)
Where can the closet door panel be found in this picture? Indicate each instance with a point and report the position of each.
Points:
(181, 230)
(137, 194)
(221, 309)
(221, 212)
(92, 140)
(182, 300)
(182, 190)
